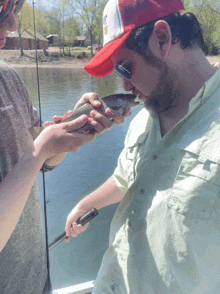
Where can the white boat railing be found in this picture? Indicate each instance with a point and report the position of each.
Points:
(216, 64)
(83, 288)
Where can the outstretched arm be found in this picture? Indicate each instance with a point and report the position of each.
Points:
(105, 195)
(16, 186)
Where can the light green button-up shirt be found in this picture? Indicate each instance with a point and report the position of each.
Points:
(165, 235)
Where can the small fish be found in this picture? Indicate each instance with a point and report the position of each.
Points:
(117, 102)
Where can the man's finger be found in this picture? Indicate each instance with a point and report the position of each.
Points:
(89, 97)
(101, 119)
(48, 123)
(68, 113)
(57, 118)
(77, 123)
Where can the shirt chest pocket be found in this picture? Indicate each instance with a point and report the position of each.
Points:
(195, 191)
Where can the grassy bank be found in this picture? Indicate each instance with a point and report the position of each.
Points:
(51, 56)
(75, 57)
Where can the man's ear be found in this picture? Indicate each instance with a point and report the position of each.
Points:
(161, 39)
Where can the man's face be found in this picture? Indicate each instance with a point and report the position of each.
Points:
(10, 23)
(151, 79)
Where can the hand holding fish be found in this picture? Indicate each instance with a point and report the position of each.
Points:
(113, 115)
(102, 113)
(60, 138)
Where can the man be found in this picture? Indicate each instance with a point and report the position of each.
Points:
(165, 235)
(23, 267)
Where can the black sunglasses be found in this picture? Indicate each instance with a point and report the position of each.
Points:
(122, 71)
(11, 5)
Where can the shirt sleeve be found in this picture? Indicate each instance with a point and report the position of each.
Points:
(120, 175)
(123, 169)
(124, 174)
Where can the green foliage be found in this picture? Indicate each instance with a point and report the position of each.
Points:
(98, 23)
(89, 12)
(41, 21)
(70, 30)
(25, 17)
(81, 55)
(54, 21)
(55, 54)
(71, 18)
(208, 15)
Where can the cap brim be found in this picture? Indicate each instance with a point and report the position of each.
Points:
(101, 65)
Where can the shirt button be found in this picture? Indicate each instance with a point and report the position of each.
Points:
(154, 156)
(142, 191)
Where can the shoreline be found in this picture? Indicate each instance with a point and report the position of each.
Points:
(77, 64)
(12, 57)
(74, 65)
(48, 60)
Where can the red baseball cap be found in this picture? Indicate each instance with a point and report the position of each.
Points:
(120, 17)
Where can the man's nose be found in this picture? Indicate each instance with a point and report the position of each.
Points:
(11, 22)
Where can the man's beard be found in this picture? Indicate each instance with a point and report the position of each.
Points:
(164, 94)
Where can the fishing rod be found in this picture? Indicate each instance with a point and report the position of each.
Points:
(43, 173)
(88, 216)
(82, 221)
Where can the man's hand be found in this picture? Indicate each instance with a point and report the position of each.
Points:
(107, 194)
(114, 117)
(97, 120)
(72, 228)
(59, 138)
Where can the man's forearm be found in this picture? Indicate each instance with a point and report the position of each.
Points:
(105, 195)
(55, 160)
(14, 192)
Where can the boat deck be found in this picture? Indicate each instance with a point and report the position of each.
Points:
(84, 288)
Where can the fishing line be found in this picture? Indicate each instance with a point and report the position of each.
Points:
(43, 173)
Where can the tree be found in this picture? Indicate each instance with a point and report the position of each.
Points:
(26, 17)
(88, 11)
(25, 20)
(208, 13)
(211, 24)
(55, 22)
(71, 30)
(98, 33)
(60, 24)
(41, 16)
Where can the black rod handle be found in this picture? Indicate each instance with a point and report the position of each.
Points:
(82, 221)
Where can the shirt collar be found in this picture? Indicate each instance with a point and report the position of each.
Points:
(144, 119)
(211, 86)
(139, 128)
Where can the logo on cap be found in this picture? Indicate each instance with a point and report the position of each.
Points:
(105, 25)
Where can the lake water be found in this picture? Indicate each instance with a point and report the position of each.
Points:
(79, 173)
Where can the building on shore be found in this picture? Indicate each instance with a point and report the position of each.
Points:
(42, 42)
(80, 41)
(28, 41)
(53, 40)
(13, 43)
